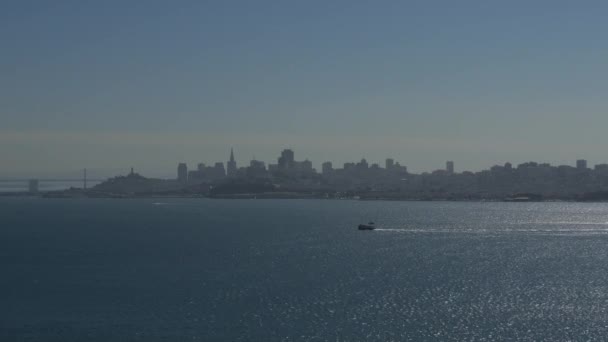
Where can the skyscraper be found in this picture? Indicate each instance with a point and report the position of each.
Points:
(231, 165)
(327, 168)
(363, 165)
(389, 164)
(581, 164)
(286, 160)
(449, 166)
(182, 172)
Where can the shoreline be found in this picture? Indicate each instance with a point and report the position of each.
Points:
(274, 196)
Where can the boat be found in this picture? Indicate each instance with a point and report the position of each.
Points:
(369, 226)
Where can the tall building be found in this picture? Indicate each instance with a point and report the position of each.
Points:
(449, 166)
(182, 172)
(400, 168)
(581, 164)
(304, 166)
(231, 165)
(389, 164)
(363, 165)
(327, 168)
(286, 160)
(256, 169)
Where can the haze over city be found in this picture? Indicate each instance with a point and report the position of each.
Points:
(113, 85)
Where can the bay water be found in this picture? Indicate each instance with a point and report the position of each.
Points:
(299, 270)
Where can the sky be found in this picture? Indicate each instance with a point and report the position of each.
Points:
(109, 85)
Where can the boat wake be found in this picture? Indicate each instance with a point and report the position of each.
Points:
(163, 203)
(501, 231)
(561, 223)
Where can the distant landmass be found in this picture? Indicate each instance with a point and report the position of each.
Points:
(289, 178)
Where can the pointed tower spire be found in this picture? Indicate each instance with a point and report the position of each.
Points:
(231, 165)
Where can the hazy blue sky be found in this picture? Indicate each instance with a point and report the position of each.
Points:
(113, 84)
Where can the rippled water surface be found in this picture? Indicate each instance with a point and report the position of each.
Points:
(298, 270)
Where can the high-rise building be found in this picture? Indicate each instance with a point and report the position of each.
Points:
(305, 166)
(182, 172)
(400, 168)
(327, 168)
(231, 165)
(389, 164)
(257, 169)
(286, 160)
(449, 166)
(363, 165)
(581, 164)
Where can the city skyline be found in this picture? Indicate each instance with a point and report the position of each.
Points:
(169, 171)
(389, 162)
(289, 177)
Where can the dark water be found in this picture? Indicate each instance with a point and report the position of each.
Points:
(298, 270)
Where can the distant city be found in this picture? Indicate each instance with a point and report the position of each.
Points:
(290, 178)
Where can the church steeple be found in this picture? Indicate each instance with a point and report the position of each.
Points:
(231, 155)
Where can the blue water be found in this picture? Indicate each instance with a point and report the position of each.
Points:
(298, 270)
